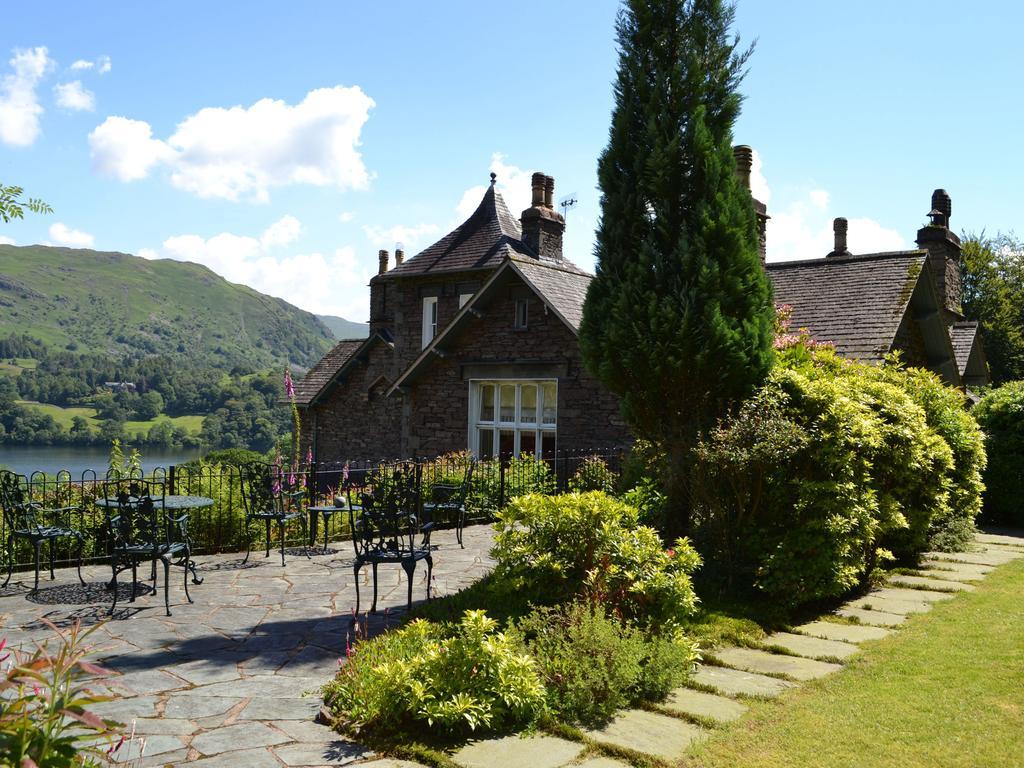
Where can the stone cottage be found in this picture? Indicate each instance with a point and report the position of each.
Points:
(473, 342)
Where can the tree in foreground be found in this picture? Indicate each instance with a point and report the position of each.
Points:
(13, 207)
(993, 279)
(678, 321)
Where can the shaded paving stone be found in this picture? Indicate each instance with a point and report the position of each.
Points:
(203, 671)
(736, 682)
(650, 733)
(763, 662)
(910, 595)
(339, 751)
(974, 558)
(178, 757)
(848, 633)
(249, 758)
(308, 731)
(517, 752)
(164, 725)
(687, 701)
(995, 538)
(933, 571)
(873, 618)
(311, 662)
(927, 582)
(229, 737)
(280, 709)
(811, 647)
(192, 707)
(260, 686)
(886, 605)
(148, 682)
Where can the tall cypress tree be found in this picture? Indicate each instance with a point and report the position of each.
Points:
(678, 321)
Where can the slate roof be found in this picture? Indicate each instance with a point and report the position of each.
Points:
(563, 287)
(484, 240)
(963, 335)
(321, 374)
(855, 302)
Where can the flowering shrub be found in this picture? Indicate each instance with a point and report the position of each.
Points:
(593, 544)
(592, 664)
(451, 678)
(44, 695)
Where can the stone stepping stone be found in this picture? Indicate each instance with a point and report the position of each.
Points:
(335, 751)
(687, 701)
(975, 558)
(961, 570)
(389, 763)
(600, 762)
(910, 595)
(250, 758)
(660, 735)
(847, 633)
(763, 662)
(736, 682)
(230, 737)
(888, 605)
(516, 752)
(928, 582)
(810, 647)
(961, 578)
(871, 617)
(996, 538)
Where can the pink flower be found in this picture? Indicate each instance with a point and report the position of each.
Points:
(289, 388)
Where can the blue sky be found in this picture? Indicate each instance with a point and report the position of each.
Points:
(284, 144)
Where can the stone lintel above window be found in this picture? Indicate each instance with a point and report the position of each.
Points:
(516, 369)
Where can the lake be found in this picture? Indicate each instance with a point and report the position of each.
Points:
(77, 459)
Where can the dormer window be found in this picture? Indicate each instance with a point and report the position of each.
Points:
(429, 319)
(521, 316)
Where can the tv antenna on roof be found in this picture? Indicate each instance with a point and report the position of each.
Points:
(567, 202)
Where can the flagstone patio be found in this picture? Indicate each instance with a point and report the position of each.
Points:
(230, 680)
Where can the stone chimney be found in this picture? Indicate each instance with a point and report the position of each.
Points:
(943, 248)
(744, 162)
(399, 255)
(543, 227)
(382, 256)
(839, 227)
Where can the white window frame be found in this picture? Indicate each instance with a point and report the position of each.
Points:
(429, 319)
(543, 433)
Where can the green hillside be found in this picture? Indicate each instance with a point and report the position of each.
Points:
(116, 304)
(344, 329)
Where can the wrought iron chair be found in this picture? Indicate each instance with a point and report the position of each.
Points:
(37, 511)
(142, 530)
(449, 499)
(385, 526)
(268, 497)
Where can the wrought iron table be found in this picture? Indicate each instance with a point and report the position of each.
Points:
(326, 512)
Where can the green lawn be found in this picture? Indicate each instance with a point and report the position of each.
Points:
(946, 690)
(20, 364)
(64, 416)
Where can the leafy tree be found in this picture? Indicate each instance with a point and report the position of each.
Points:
(13, 207)
(993, 294)
(678, 321)
(149, 406)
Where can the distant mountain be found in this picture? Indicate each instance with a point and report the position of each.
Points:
(345, 329)
(117, 304)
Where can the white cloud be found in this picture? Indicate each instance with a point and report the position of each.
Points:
(19, 106)
(333, 283)
(103, 64)
(82, 64)
(73, 96)
(512, 182)
(242, 152)
(346, 216)
(61, 234)
(148, 253)
(409, 236)
(126, 149)
(4, 240)
(282, 232)
(758, 183)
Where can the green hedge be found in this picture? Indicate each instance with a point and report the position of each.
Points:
(830, 467)
(1001, 415)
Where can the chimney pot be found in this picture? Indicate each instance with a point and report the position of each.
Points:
(549, 192)
(942, 203)
(744, 162)
(399, 256)
(839, 227)
(383, 257)
(537, 182)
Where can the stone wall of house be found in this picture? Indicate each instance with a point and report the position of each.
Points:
(356, 420)
(910, 342)
(438, 401)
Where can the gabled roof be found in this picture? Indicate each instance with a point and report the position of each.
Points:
(963, 335)
(561, 286)
(855, 302)
(331, 367)
(488, 236)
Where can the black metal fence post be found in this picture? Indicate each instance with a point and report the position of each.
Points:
(170, 480)
(501, 483)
